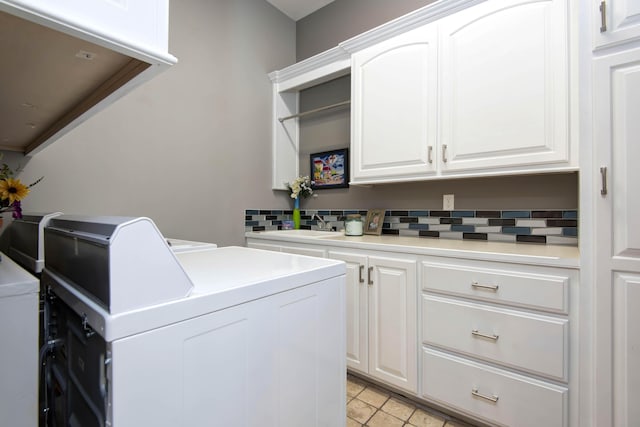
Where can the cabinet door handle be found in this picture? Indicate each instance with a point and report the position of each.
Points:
(493, 398)
(603, 16)
(370, 281)
(493, 337)
(444, 153)
(430, 154)
(488, 287)
(360, 279)
(603, 173)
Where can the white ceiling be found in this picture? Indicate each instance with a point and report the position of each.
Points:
(298, 9)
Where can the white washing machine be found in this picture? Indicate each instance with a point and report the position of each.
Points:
(223, 337)
(19, 300)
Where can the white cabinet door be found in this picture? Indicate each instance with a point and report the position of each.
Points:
(505, 86)
(357, 310)
(626, 349)
(616, 133)
(393, 321)
(394, 107)
(617, 21)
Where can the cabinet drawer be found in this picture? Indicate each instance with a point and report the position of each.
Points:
(519, 400)
(534, 343)
(538, 291)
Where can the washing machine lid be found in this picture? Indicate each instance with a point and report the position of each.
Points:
(15, 280)
(26, 239)
(122, 263)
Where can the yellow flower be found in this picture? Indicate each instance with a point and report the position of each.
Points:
(13, 190)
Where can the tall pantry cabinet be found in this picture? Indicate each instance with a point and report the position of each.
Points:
(615, 200)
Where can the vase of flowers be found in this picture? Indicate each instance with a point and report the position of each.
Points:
(12, 192)
(299, 188)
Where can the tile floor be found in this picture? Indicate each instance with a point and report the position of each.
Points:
(372, 406)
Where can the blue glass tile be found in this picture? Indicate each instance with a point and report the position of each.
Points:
(516, 214)
(418, 213)
(352, 211)
(463, 228)
(324, 212)
(251, 223)
(570, 231)
(252, 212)
(418, 226)
(570, 214)
(465, 214)
(516, 230)
(277, 222)
(276, 212)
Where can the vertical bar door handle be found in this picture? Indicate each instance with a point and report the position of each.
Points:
(370, 281)
(603, 16)
(444, 153)
(603, 173)
(430, 154)
(360, 279)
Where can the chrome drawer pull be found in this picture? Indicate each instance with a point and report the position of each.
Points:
(493, 398)
(361, 269)
(475, 333)
(369, 279)
(489, 287)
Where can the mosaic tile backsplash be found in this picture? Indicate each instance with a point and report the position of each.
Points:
(557, 227)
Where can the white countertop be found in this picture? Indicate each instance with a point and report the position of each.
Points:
(529, 253)
(14, 280)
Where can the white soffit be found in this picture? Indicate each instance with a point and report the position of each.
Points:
(298, 9)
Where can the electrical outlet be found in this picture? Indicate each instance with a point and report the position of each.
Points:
(447, 202)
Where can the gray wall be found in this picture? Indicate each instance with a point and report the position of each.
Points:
(191, 149)
(331, 130)
(343, 19)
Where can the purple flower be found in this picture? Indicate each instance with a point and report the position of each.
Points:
(17, 210)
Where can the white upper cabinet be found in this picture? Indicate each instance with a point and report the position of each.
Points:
(394, 119)
(483, 91)
(505, 86)
(619, 22)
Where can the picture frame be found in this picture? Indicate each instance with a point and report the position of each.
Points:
(374, 221)
(329, 169)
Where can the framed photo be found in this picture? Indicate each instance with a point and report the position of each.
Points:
(374, 221)
(330, 169)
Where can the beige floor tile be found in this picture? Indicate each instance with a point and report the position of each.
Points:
(382, 419)
(373, 397)
(398, 409)
(354, 387)
(360, 411)
(353, 423)
(421, 418)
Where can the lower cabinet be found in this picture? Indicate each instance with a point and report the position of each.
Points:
(496, 341)
(382, 317)
(493, 341)
(493, 394)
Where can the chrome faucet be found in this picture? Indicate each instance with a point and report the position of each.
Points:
(323, 224)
